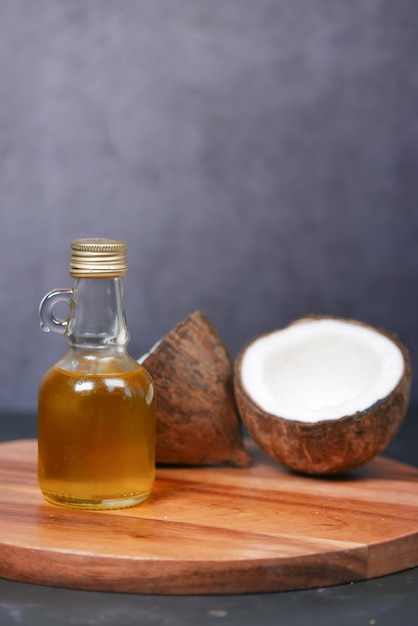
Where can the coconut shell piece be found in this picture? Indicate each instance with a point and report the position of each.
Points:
(329, 446)
(197, 418)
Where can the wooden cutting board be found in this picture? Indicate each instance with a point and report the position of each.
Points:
(213, 530)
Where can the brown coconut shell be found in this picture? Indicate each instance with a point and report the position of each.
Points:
(329, 446)
(197, 418)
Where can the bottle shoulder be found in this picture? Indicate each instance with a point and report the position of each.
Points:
(99, 363)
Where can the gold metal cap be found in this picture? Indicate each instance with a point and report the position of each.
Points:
(98, 258)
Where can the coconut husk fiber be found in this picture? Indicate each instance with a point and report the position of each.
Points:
(197, 418)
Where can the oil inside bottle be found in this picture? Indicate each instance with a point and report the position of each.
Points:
(94, 438)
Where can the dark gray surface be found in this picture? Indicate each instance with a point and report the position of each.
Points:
(259, 156)
(384, 601)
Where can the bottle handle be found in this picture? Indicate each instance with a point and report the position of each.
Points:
(46, 310)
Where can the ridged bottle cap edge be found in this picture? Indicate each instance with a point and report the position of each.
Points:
(98, 258)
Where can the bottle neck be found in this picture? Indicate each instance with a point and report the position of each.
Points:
(97, 317)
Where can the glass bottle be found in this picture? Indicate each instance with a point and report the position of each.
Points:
(96, 409)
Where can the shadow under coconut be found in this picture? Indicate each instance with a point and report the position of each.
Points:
(380, 468)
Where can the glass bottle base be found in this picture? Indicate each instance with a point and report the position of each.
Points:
(94, 505)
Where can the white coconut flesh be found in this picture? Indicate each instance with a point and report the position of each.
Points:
(321, 369)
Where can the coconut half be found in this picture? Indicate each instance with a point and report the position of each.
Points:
(197, 418)
(323, 395)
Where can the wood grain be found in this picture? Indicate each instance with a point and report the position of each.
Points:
(213, 530)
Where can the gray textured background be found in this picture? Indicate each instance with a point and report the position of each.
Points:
(260, 158)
